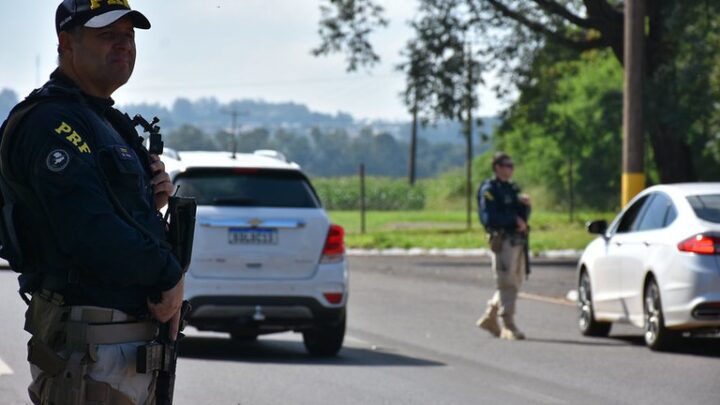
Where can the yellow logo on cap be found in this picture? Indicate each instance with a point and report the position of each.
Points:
(94, 4)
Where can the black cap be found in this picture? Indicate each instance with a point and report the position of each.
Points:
(95, 14)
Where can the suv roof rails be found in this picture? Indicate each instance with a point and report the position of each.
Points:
(271, 154)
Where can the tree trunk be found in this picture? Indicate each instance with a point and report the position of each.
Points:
(672, 155)
(571, 187)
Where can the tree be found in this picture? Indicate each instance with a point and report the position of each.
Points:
(515, 29)
(565, 128)
(188, 137)
(442, 75)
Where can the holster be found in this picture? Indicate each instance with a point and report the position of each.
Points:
(181, 212)
(495, 241)
(44, 320)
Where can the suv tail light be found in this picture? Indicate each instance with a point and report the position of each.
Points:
(701, 244)
(334, 249)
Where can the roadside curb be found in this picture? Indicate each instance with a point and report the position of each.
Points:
(557, 256)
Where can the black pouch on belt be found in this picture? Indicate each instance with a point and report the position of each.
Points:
(495, 239)
(45, 320)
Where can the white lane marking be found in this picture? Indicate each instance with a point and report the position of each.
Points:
(535, 297)
(5, 369)
(534, 396)
(356, 340)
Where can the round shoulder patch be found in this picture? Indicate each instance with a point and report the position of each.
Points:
(57, 160)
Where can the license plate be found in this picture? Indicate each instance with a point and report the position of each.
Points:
(255, 236)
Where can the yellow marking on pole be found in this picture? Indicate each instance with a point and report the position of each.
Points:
(632, 184)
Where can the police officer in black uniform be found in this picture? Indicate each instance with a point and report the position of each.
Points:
(504, 213)
(96, 260)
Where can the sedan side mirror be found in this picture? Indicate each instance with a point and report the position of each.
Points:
(597, 227)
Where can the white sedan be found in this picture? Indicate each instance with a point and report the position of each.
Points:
(656, 266)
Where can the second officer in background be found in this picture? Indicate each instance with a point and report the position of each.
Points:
(504, 213)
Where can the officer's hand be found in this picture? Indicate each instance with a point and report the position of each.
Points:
(168, 309)
(524, 199)
(521, 225)
(162, 185)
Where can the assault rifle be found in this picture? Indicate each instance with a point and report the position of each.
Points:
(161, 354)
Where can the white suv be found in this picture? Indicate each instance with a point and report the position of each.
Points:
(266, 257)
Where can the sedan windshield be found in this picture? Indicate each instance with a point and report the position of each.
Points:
(707, 207)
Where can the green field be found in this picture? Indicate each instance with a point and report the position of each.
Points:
(447, 229)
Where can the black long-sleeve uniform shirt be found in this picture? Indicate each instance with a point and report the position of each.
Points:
(57, 153)
(499, 205)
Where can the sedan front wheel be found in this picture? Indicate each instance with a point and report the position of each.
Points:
(586, 321)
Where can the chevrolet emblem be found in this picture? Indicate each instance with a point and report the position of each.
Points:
(255, 222)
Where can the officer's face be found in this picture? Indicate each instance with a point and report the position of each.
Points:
(504, 170)
(101, 59)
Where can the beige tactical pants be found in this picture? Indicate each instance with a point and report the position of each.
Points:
(115, 366)
(107, 372)
(508, 267)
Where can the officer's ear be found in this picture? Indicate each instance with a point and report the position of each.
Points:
(67, 41)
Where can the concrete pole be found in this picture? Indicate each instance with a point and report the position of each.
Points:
(633, 176)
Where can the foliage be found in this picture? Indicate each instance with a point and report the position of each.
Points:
(442, 72)
(565, 129)
(681, 56)
(447, 190)
(381, 194)
(330, 152)
(354, 38)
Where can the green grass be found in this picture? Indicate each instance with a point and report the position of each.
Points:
(448, 229)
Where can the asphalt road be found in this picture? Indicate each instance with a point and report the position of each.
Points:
(412, 340)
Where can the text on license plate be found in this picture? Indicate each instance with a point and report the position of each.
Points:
(255, 236)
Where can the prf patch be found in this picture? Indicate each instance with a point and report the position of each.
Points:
(488, 196)
(66, 130)
(57, 160)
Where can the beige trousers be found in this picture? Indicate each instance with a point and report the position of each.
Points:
(115, 365)
(508, 267)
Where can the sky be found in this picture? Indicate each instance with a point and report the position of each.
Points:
(229, 50)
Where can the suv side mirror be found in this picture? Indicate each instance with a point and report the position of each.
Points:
(597, 227)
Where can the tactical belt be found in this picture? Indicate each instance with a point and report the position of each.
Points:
(88, 325)
(80, 334)
(85, 328)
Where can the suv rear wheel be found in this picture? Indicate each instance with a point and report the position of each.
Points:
(325, 340)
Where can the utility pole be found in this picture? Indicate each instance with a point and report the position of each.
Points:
(633, 176)
(413, 138)
(234, 113)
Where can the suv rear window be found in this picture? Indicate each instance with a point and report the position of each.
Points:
(706, 207)
(239, 187)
